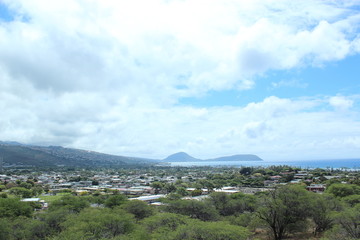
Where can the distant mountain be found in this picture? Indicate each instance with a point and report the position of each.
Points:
(238, 157)
(180, 157)
(17, 154)
(184, 157)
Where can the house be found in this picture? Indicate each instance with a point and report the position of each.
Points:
(318, 188)
(149, 199)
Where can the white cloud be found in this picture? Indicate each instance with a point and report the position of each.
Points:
(160, 45)
(293, 83)
(106, 75)
(341, 102)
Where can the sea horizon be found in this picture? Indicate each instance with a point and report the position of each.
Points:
(305, 164)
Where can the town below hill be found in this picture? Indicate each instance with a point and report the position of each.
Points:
(170, 203)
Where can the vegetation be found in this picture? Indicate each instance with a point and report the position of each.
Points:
(286, 211)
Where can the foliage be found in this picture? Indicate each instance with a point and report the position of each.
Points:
(321, 208)
(54, 219)
(193, 209)
(211, 231)
(21, 192)
(5, 228)
(164, 221)
(115, 200)
(287, 211)
(158, 186)
(73, 203)
(349, 220)
(343, 190)
(352, 200)
(282, 208)
(138, 208)
(10, 207)
(94, 223)
(228, 205)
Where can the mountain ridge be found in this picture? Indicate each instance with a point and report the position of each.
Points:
(18, 154)
(184, 157)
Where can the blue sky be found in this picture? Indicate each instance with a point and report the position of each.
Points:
(276, 78)
(5, 13)
(335, 78)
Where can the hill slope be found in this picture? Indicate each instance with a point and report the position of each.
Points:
(238, 157)
(39, 156)
(184, 157)
(180, 157)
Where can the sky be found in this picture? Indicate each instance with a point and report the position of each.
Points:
(148, 78)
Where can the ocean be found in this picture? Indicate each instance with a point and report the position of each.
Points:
(310, 164)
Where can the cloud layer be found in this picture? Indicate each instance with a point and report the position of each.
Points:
(107, 75)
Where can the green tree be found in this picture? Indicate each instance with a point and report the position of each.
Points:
(164, 222)
(25, 185)
(97, 223)
(182, 191)
(138, 208)
(352, 200)
(321, 208)
(115, 200)
(157, 186)
(10, 207)
(193, 209)
(343, 190)
(349, 220)
(55, 218)
(5, 229)
(37, 190)
(210, 231)
(282, 208)
(196, 192)
(169, 187)
(72, 203)
(21, 192)
(27, 228)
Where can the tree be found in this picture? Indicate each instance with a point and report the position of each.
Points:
(72, 203)
(182, 191)
(25, 185)
(27, 228)
(10, 207)
(37, 190)
(164, 221)
(210, 231)
(350, 221)
(54, 219)
(321, 208)
(97, 223)
(115, 200)
(343, 190)
(21, 192)
(193, 209)
(283, 207)
(157, 186)
(5, 229)
(231, 205)
(196, 192)
(220, 201)
(352, 200)
(139, 208)
(169, 187)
